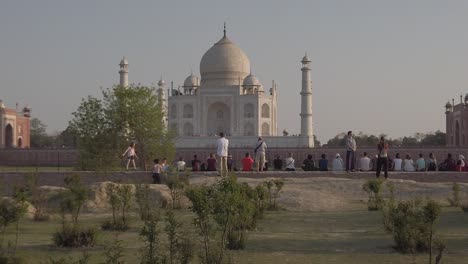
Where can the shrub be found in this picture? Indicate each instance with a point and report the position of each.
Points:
(37, 198)
(150, 235)
(411, 224)
(180, 247)
(455, 199)
(114, 253)
(119, 197)
(75, 236)
(114, 202)
(373, 187)
(177, 184)
(274, 187)
(142, 196)
(74, 199)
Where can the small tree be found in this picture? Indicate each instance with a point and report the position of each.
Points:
(431, 214)
(179, 245)
(142, 195)
(125, 196)
(373, 187)
(114, 252)
(177, 184)
(150, 235)
(36, 197)
(76, 196)
(455, 200)
(114, 200)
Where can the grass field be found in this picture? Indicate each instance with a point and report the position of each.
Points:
(354, 236)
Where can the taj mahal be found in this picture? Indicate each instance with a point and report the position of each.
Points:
(228, 98)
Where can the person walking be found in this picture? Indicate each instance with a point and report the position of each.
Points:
(350, 151)
(382, 157)
(131, 155)
(260, 149)
(222, 152)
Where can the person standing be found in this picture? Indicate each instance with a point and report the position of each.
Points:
(260, 149)
(157, 169)
(382, 157)
(222, 152)
(350, 152)
(131, 155)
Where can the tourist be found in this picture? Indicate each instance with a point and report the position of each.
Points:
(449, 164)
(260, 149)
(365, 163)
(420, 163)
(382, 157)
(461, 163)
(157, 169)
(337, 163)
(350, 152)
(180, 164)
(164, 165)
(230, 163)
(323, 163)
(247, 162)
(211, 163)
(397, 163)
(431, 163)
(290, 162)
(308, 164)
(278, 163)
(195, 163)
(131, 155)
(408, 164)
(222, 151)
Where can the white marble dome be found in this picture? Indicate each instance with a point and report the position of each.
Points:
(224, 60)
(191, 81)
(251, 80)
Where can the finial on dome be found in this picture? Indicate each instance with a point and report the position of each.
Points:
(224, 31)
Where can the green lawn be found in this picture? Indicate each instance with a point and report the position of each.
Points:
(283, 237)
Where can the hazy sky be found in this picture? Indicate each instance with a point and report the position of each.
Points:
(377, 66)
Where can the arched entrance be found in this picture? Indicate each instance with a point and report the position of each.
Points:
(219, 119)
(8, 136)
(20, 142)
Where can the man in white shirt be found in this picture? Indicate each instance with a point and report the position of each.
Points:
(222, 152)
(181, 164)
(350, 151)
(289, 162)
(364, 163)
(260, 149)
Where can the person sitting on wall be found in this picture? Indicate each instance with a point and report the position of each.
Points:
(431, 163)
(211, 163)
(195, 163)
(308, 164)
(449, 164)
(364, 163)
(461, 163)
(338, 163)
(397, 163)
(278, 163)
(247, 162)
(408, 164)
(180, 164)
(421, 163)
(230, 163)
(323, 163)
(290, 163)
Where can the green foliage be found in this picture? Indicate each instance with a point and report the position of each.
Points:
(150, 234)
(119, 197)
(373, 187)
(411, 224)
(274, 188)
(11, 211)
(177, 184)
(455, 200)
(224, 212)
(84, 259)
(114, 252)
(75, 236)
(142, 195)
(36, 197)
(74, 198)
(38, 135)
(104, 127)
(180, 247)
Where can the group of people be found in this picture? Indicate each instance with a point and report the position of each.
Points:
(223, 161)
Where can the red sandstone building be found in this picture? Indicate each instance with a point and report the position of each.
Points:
(15, 131)
(457, 123)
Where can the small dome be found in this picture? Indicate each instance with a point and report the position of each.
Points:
(161, 82)
(224, 60)
(305, 58)
(448, 105)
(124, 61)
(466, 97)
(251, 80)
(191, 81)
(2, 105)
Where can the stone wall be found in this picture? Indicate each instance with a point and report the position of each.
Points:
(38, 157)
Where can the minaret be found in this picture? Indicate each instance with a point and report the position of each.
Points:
(306, 98)
(162, 97)
(123, 72)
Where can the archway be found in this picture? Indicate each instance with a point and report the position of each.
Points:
(20, 142)
(265, 111)
(248, 110)
(265, 129)
(248, 129)
(188, 111)
(8, 136)
(457, 134)
(188, 129)
(219, 119)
